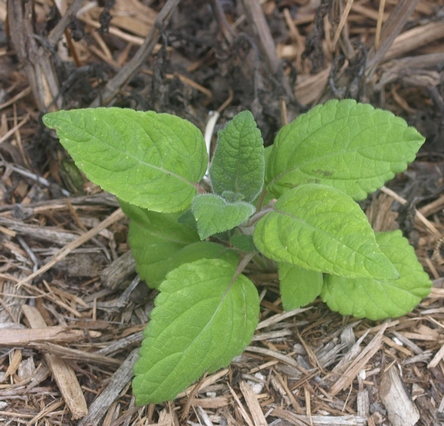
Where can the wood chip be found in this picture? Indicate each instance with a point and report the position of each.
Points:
(253, 404)
(63, 374)
(116, 383)
(358, 364)
(48, 334)
(400, 408)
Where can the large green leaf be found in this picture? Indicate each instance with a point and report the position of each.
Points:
(203, 250)
(147, 159)
(203, 317)
(350, 146)
(378, 299)
(298, 286)
(320, 228)
(238, 162)
(154, 239)
(214, 214)
(159, 244)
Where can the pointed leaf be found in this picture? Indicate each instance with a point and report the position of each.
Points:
(350, 146)
(204, 317)
(238, 164)
(320, 228)
(298, 286)
(379, 299)
(147, 159)
(214, 214)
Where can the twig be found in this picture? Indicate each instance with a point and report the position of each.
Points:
(117, 382)
(63, 374)
(342, 22)
(429, 225)
(62, 253)
(379, 23)
(10, 132)
(390, 31)
(58, 30)
(58, 333)
(121, 78)
(262, 31)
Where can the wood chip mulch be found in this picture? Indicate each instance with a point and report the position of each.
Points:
(72, 309)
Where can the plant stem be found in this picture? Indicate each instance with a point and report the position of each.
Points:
(200, 190)
(261, 199)
(242, 264)
(256, 217)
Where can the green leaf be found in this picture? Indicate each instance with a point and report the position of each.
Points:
(204, 316)
(320, 228)
(160, 243)
(238, 164)
(298, 286)
(203, 250)
(154, 239)
(214, 214)
(151, 160)
(350, 146)
(232, 197)
(243, 242)
(187, 218)
(379, 299)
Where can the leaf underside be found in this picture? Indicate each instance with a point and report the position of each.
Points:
(203, 317)
(147, 159)
(350, 146)
(379, 299)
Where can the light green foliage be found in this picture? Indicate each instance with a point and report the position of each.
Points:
(204, 250)
(189, 332)
(378, 299)
(155, 238)
(160, 243)
(298, 286)
(146, 159)
(238, 164)
(322, 229)
(214, 214)
(290, 206)
(353, 147)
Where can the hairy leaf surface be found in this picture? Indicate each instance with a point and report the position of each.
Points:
(320, 228)
(203, 317)
(298, 286)
(147, 159)
(238, 164)
(350, 146)
(378, 299)
(214, 214)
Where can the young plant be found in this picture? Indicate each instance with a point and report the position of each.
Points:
(291, 207)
